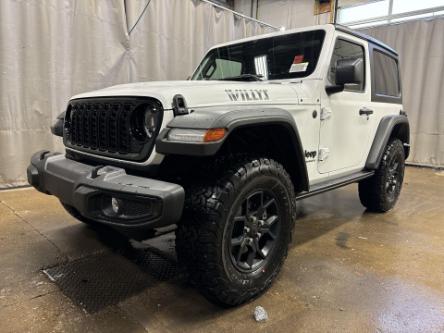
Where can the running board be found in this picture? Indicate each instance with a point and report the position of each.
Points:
(335, 183)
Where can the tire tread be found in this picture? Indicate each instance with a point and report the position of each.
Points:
(199, 232)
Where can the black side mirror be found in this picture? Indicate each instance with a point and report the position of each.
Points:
(57, 126)
(334, 88)
(348, 71)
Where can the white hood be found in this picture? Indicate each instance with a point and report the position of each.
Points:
(207, 93)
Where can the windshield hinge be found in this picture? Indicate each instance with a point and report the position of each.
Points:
(179, 105)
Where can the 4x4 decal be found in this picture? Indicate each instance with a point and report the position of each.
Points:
(248, 94)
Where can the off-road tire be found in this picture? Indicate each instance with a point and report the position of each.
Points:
(203, 234)
(374, 192)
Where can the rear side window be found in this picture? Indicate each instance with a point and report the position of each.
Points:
(385, 75)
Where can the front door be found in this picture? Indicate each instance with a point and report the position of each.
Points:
(345, 128)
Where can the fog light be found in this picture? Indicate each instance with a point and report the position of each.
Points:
(127, 208)
(116, 205)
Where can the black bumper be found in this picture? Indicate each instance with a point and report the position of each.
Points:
(143, 203)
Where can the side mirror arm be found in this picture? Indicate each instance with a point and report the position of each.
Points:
(334, 88)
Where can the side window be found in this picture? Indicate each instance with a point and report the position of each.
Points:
(385, 75)
(223, 68)
(346, 50)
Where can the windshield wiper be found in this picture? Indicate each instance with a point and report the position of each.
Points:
(244, 77)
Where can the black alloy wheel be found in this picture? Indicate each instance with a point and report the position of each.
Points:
(393, 180)
(380, 192)
(236, 227)
(254, 231)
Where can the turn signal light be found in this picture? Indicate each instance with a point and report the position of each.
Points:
(214, 134)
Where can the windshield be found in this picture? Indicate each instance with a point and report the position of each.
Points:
(275, 58)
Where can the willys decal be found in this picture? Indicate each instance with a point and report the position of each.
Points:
(247, 94)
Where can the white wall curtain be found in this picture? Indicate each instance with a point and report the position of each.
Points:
(287, 13)
(53, 49)
(421, 50)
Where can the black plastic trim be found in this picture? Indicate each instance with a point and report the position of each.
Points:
(179, 105)
(334, 184)
(73, 183)
(147, 169)
(147, 146)
(236, 119)
(382, 137)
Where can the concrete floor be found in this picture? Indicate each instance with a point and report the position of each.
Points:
(347, 270)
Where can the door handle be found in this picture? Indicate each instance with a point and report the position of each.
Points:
(365, 111)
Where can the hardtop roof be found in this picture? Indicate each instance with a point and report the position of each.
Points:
(326, 27)
(366, 37)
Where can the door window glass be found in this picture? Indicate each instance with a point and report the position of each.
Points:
(347, 50)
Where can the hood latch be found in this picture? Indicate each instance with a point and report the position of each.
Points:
(179, 105)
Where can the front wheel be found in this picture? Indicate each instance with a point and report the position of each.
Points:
(380, 192)
(235, 231)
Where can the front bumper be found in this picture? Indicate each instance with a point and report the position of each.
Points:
(144, 203)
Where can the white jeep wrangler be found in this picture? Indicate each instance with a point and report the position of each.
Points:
(262, 123)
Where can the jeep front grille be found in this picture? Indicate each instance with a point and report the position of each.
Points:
(111, 126)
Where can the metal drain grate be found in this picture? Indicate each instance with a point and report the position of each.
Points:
(156, 265)
(105, 279)
(99, 280)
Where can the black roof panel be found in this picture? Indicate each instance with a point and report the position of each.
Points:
(366, 37)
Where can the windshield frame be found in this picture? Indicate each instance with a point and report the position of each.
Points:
(314, 71)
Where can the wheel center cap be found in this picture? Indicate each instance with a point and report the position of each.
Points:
(254, 226)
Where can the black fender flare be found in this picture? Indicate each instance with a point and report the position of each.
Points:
(389, 127)
(235, 119)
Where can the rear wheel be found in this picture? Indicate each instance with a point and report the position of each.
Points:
(235, 230)
(380, 192)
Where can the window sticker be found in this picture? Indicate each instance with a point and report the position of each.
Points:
(298, 64)
(302, 67)
(298, 59)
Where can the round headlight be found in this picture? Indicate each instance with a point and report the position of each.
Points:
(145, 122)
(150, 122)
